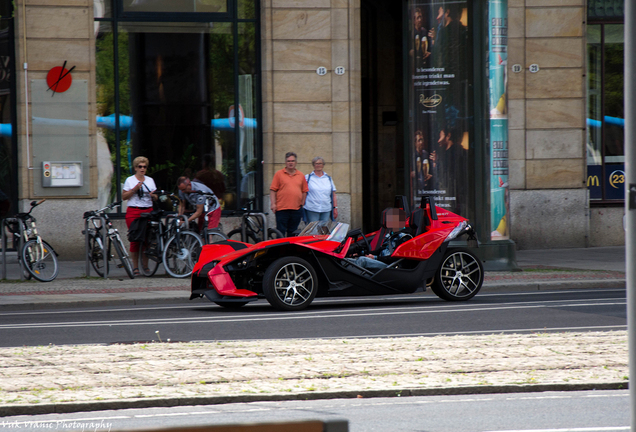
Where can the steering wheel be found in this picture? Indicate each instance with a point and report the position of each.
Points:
(355, 233)
(398, 238)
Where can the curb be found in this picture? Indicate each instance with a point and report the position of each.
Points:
(123, 300)
(73, 407)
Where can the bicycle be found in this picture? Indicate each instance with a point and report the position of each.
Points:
(210, 235)
(37, 258)
(169, 243)
(254, 223)
(99, 253)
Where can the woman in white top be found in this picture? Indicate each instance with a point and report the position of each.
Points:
(321, 198)
(137, 190)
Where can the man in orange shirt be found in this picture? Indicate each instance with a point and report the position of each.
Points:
(287, 195)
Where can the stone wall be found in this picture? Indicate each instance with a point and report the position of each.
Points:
(49, 32)
(304, 112)
(547, 123)
(42, 43)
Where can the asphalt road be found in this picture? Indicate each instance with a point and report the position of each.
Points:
(420, 314)
(585, 411)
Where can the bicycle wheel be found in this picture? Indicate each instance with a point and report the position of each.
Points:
(40, 262)
(236, 235)
(123, 255)
(273, 233)
(214, 236)
(97, 256)
(181, 253)
(149, 255)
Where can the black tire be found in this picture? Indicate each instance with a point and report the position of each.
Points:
(123, 257)
(273, 234)
(290, 283)
(459, 276)
(98, 256)
(231, 305)
(179, 259)
(152, 258)
(236, 235)
(41, 263)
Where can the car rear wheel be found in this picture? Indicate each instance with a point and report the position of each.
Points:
(290, 283)
(459, 277)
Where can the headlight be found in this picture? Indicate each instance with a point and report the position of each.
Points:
(245, 262)
(457, 231)
(206, 268)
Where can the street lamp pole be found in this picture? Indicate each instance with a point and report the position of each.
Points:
(630, 202)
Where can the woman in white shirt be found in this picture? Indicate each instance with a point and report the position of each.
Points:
(321, 198)
(137, 190)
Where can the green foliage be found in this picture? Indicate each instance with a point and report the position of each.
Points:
(105, 76)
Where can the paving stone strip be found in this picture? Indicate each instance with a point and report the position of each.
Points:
(92, 373)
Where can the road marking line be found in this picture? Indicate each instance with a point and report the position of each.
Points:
(319, 315)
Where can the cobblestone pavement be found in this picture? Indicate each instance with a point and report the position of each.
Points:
(88, 377)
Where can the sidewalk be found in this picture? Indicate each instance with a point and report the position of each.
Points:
(541, 270)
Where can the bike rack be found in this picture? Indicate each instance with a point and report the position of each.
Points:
(263, 218)
(5, 225)
(104, 230)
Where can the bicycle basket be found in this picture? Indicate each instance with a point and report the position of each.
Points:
(167, 202)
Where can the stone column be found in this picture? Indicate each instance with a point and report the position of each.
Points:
(547, 123)
(308, 113)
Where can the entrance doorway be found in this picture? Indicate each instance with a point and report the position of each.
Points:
(383, 156)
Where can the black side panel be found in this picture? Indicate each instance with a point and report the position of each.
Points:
(409, 280)
(336, 274)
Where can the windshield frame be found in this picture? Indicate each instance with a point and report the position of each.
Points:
(335, 231)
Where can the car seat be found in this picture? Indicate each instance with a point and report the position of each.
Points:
(376, 242)
(403, 203)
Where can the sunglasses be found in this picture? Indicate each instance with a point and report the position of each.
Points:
(142, 166)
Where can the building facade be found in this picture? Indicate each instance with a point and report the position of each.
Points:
(246, 81)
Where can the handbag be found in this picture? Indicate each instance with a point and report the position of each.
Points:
(137, 230)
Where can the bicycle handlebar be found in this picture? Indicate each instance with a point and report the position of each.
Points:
(101, 211)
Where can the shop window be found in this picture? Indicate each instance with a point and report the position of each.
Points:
(605, 113)
(173, 98)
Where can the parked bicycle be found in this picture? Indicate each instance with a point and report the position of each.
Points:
(254, 222)
(210, 235)
(99, 247)
(168, 241)
(37, 258)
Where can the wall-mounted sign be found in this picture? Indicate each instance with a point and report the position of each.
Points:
(59, 79)
(61, 174)
(516, 68)
(340, 70)
(321, 71)
(534, 68)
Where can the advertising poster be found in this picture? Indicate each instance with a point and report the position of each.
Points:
(440, 70)
(498, 105)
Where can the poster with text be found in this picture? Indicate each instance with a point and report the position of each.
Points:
(440, 71)
(498, 105)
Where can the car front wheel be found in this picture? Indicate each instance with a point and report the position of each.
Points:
(290, 283)
(459, 277)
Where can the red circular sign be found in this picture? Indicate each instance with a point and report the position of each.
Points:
(59, 79)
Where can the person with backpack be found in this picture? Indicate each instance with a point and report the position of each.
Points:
(321, 203)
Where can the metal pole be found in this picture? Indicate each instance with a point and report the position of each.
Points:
(86, 251)
(630, 202)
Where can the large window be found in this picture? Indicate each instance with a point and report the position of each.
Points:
(605, 112)
(182, 90)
